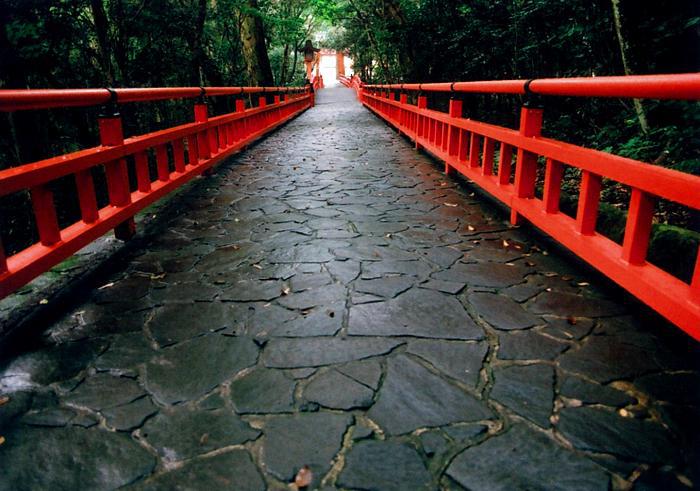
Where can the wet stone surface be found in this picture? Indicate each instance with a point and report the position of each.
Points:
(315, 302)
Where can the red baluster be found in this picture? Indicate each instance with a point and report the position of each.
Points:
(505, 164)
(143, 174)
(474, 147)
(45, 215)
(553, 174)
(421, 123)
(242, 126)
(179, 155)
(162, 163)
(201, 115)
(487, 159)
(455, 111)
(111, 135)
(588, 200)
(526, 162)
(86, 195)
(638, 227)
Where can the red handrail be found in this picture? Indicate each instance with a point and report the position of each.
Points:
(23, 99)
(474, 149)
(675, 86)
(190, 149)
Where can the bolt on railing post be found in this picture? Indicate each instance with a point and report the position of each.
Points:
(112, 135)
(526, 162)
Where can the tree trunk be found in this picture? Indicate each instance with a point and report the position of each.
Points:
(285, 63)
(104, 47)
(197, 50)
(254, 49)
(622, 42)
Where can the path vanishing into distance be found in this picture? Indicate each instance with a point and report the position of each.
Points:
(329, 298)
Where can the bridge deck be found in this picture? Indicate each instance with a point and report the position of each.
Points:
(330, 299)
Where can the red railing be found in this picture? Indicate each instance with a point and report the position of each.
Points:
(474, 149)
(352, 82)
(181, 153)
(317, 82)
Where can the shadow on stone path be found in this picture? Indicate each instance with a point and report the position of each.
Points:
(329, 298)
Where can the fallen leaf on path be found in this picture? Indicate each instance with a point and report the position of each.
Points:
(108, 285)
(43, 301)
(451, 205)
(470, 228)
(4, 400)
(304, 477)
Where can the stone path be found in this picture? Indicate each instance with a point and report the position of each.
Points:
(330, 299)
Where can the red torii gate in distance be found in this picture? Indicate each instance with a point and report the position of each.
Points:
(340, 68)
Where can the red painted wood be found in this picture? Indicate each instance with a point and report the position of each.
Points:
(487, 160)
(589, 197)
(45, 215)
(179, 155)
(638, 227)
(505, 164)
(553, 174)
(56, 244)
(526, 162)
(676, 300)
(162, 163)
(143, 175)
(87, 199)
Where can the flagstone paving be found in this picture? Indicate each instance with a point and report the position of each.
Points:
(329, 298)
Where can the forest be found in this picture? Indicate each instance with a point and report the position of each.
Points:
(152, 43)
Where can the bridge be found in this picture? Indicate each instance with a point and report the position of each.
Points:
(312, 291)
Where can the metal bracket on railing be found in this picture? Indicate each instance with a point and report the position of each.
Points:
(202, 99)
(111, 108)
(452, 90)
(532, 100)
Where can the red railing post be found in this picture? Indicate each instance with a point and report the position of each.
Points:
(695, 282)
(589, 197)
(261, 120)
(453, 134)
(112, 135)
(201, 115)
(422, 103)
(242, 125)
(403, 100)
(526, 162)
(553, 174)
(638, 227)
(45, 215)
(86, 196)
